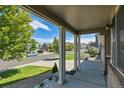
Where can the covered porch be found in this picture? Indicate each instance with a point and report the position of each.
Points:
(80, 20)
(89, 76)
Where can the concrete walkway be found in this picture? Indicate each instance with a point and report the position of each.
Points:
(90, 76)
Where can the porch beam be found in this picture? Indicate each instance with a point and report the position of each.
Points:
(50, 16)
(62, 56)
(78, 52)
(75, 52)
(92, 30)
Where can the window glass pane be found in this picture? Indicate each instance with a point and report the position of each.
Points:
(121, 57)
(113, 41)
(120, 32)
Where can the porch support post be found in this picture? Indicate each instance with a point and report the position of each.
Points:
(107, 50)
(75, 52)
(79, 52)
(61, 56)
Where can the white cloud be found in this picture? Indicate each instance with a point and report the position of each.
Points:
(71, 40)
(83, 40)
(43, 40)
(50, 40)
(87, 40)
(36, 24)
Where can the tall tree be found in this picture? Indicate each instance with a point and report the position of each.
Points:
(56, 45)
(15, 33)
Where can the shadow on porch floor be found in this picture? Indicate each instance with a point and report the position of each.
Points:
(89, 76)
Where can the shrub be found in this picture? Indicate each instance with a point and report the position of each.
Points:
(84, 56)
(55, 68)
(50, 78)
(93, 51)
(41, 85)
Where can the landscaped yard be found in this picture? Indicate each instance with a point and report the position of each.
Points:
(70, 56)
(83, 56)
(21, 73)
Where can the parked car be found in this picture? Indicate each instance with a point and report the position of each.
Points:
(32, 53)
(40, 50)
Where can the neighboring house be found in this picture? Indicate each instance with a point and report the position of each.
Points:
(97, 42)
(45, 46)
(84, 47)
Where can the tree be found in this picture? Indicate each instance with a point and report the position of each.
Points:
(50, 48)
(69, 46)
(33, 45)
(93, 51)
(45, 46)
(56, 45)
(15, 33)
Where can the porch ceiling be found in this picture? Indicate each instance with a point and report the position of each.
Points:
(79, 19)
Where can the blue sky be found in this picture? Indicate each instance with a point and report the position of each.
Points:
(46, 31)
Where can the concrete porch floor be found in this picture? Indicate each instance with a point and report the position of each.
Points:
(89, 76)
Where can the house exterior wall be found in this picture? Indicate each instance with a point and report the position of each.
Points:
(114, 78)
(115, 74)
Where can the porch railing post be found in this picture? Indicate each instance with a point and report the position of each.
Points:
(62, 56)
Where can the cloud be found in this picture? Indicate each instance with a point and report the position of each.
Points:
(87, 40)
(71, 40)
(43, 40)
(36, 24)
(83, 40)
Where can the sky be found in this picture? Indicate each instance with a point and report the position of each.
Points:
(45, 32)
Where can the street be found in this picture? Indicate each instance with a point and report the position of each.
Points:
(46, 59)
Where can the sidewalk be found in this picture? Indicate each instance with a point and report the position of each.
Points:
(69, 64)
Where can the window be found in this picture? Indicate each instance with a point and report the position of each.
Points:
(113, 32)
(120, 38)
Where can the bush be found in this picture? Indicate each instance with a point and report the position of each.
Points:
(84, 56)
(93, 51)
(41, 85)
(55, 68)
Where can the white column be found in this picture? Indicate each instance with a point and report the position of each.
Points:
(75, 52)
(79, 52)
(61, 56)
(103, 59)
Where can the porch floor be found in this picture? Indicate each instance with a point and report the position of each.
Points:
(89, 76)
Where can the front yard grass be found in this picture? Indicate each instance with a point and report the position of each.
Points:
(70, 56)
(14, 75)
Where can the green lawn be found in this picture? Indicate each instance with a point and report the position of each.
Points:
(70, 56)
(21, 73)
